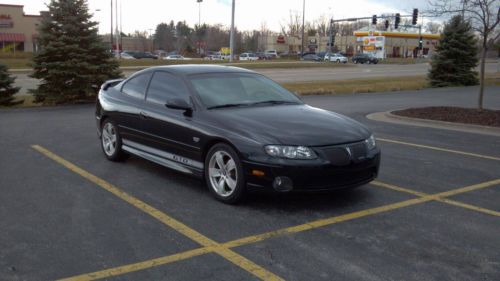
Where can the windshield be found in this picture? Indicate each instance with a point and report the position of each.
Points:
(239, 89)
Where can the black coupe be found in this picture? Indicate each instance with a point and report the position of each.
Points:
(234, 127)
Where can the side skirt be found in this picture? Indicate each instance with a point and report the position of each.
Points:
(163, 158)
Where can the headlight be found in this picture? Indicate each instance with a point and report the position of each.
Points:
(370, 142)
(290, 152)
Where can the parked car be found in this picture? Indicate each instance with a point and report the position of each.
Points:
(126, 56)
(273, 54)
(263, 56)
(310, 57)
(364, 58)
(176, 57)
(231, 127)
(248, 57)
(335, 57)
(321, 54)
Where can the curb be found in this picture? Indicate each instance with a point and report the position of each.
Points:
(388, 117)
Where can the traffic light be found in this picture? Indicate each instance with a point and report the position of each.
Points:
(414, 17)
(397, 21)
(386, 24)
(374, 20)
(420, 43)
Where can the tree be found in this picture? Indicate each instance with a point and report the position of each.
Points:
(456, 56)
(7, 89)
(73, 60)
(484, 16)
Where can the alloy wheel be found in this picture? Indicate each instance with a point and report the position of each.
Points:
(223, 173)
(109, 139)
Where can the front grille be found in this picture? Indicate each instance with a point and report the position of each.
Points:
(345, 154)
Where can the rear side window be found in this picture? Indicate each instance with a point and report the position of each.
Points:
(165, 86)
(136, 87)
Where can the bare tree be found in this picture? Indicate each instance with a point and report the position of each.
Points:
(484, 15)
(294, 25)
(433, 27)
(322, 25)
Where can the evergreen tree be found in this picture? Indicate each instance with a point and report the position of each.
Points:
(455, 59)
(7, 90)
(73, 59)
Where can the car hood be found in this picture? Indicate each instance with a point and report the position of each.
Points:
(290, 125)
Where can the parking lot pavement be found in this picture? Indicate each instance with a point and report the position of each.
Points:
(433, 214)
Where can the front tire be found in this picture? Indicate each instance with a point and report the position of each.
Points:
(111, 141)
(224, 174)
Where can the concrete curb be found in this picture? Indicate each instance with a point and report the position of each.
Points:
(460, 127)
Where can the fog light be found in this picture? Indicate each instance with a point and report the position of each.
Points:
(282, 184)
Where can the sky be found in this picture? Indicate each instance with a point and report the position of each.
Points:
(144, 15)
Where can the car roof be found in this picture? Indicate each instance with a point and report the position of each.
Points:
(188, 69)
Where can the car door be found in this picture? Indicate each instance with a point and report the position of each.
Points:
(171, 130)
(128, 117)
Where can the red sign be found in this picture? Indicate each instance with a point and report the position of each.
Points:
(281, 39)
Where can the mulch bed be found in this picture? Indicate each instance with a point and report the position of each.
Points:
(483, 117)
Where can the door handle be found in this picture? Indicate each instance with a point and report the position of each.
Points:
(143, 115)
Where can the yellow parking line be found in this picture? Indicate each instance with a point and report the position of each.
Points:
(233, 257)
(440, 149)
(224, 249)
(359, 214)
(140, 265)
(443, 200)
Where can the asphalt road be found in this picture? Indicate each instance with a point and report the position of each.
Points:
(57, 221)
(309, 74)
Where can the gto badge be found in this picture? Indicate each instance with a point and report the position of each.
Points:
(196, 139)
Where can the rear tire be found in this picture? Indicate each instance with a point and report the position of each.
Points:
(224, 174)
(111, 141)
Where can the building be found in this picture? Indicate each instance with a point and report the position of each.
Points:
(18, 31)
(397, 44)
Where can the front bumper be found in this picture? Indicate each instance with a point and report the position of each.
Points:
(322, 175)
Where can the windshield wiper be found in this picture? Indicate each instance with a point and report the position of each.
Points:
(228, 105)
(275, 102)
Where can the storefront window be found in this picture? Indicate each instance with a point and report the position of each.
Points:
(12, 47)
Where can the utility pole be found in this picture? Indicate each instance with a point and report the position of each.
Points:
(330, 41)
(117, 32)
(303, 23)
(231, 40)
(199, 25)
(111, 38)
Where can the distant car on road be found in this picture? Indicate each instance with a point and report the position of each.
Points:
(248, 57)
(310, 57)
(364, 58)
(335, 57)
(176, 57)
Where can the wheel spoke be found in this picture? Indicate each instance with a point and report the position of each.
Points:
(214, 172)
(231, 183)
(220, 185)
(220, 161)
(230, 165)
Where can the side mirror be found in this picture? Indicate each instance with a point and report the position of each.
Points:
(179, 104)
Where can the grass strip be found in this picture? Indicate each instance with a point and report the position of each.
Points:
(369, 85)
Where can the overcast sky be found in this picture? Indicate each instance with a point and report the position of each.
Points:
(144, 15)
